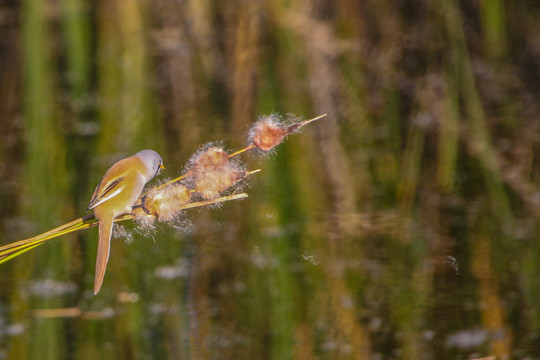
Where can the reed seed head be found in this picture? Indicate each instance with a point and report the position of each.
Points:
(267, 133)
(166, 202)
(211, 158)
(210, 187)
(212, 172)
(142, 217)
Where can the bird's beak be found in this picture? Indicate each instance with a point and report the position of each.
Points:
(161, 166)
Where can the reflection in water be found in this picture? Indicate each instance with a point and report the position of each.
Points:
(50, 288)
(468, 339)
(403, 225)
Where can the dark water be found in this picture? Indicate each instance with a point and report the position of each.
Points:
(404, 225)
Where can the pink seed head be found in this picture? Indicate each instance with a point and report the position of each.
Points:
(267, 133)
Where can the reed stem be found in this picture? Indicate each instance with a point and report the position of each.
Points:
(12, 250)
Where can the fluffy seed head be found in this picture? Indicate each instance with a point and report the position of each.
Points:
(144, 219)
(165, 203)
(209, 159)
(267, 133)
(213, 172)
(212, 185)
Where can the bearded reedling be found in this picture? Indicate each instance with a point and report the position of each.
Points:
(115, 195)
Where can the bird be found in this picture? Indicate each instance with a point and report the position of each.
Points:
(115, 195)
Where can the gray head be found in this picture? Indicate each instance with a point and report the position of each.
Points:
(152, 160)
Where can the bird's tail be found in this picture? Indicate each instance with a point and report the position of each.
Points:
(104, 245)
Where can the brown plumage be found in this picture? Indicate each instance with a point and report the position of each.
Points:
(117, 192)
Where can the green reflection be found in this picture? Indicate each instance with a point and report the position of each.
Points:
(341, 250)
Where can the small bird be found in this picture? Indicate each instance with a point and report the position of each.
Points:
(115, 195)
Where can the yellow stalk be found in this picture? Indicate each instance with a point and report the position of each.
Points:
(305, 122)
(9, 251)
(241, 151)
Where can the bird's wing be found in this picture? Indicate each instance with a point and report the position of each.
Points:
(106, 191)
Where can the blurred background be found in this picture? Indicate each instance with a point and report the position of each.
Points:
(404, 225)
